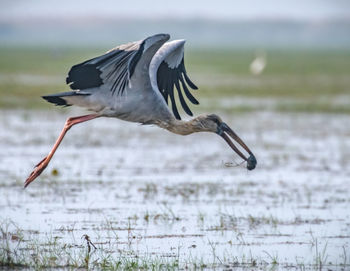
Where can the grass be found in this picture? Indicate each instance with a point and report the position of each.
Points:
(25, 249)
(19, 249)
(296, 81)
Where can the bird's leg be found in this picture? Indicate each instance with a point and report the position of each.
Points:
(39, 168)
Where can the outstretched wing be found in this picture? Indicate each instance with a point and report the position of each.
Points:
(167, 72)
(114, 68)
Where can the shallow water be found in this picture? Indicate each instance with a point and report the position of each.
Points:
(139, 190)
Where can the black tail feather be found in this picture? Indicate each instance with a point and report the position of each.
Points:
(58, 100)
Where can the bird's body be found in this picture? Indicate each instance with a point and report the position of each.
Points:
(133, 82)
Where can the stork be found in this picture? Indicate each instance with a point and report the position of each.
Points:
(134, 82)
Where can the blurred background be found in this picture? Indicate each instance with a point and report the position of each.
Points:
(278, 72)
(243, 55)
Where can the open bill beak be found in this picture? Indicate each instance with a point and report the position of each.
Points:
(226, 133)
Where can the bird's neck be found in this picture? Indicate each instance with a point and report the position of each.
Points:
(182, 127)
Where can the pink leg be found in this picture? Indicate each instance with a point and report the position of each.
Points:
(43, 163)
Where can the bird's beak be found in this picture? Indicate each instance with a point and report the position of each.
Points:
(226, 132)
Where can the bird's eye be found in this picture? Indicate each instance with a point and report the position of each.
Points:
(216, 120)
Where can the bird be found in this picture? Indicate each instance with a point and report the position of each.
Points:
(259, 63)
(136, 82)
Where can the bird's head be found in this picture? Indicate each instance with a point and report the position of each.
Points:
(213, 123)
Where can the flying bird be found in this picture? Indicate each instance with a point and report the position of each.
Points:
(134, 82)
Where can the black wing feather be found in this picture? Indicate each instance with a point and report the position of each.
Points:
(84, 76)
(168, 78)
(188, 81)
(182, 100)
(116, 66)
(187, 92)
(173, 103)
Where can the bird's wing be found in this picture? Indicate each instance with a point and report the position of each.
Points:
(167, 71)
(114, 68)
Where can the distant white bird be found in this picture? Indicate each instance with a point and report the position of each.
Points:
(133, 82)
(259, 63)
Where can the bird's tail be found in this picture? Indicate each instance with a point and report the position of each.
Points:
(59, 98)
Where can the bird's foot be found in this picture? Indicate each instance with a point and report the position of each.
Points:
(39, 168)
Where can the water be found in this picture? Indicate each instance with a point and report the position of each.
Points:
(139, 190)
